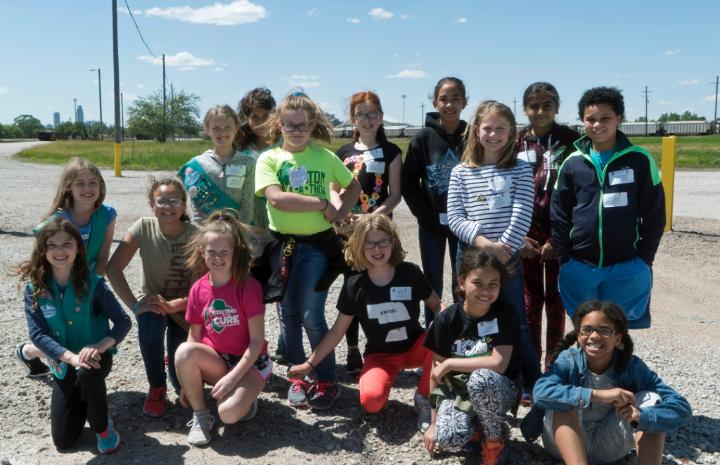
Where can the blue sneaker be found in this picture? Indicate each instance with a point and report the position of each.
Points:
(108, 440)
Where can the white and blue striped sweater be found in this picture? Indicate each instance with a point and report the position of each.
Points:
(491, 202)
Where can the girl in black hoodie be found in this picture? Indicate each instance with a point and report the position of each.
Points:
(431, 156)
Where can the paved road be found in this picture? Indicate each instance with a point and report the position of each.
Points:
(697, 193)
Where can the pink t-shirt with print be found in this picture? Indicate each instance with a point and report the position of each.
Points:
(223, 313)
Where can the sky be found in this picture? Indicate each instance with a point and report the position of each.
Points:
(332, 49)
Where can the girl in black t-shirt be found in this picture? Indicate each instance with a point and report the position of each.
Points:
(473, 379)
(384, 296)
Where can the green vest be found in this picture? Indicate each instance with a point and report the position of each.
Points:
(98, 229)
(204, 194)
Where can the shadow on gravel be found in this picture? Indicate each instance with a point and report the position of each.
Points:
(700, 435)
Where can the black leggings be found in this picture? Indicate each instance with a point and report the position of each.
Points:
(80, 396)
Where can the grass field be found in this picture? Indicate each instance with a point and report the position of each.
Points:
(701, 152)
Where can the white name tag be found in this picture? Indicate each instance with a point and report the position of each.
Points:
(500, 183)
(376, 153)
(529, 156)
(625, 176)
(373, 166)
(401, 293)
(235, 182)
(236, 170)
(443, 218)
(397, 334)
(485, 328)
(499, 200)
(388, 312)
(615, 199)
(48, 311)
(298, 177)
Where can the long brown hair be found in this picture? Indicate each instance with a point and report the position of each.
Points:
(474, 153)
(63, 196)
(262, 98)
(38, 271)
(367, 97)
(155, 183)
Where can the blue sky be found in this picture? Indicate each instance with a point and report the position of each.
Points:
(334, 48)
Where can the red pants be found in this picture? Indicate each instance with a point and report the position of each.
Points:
(380, 371)
(541, 292)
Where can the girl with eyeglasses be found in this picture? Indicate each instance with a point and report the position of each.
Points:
(376, 163)
(384, 296)
(226, 344)
(160, 305)
(600, 400)
(295, 179)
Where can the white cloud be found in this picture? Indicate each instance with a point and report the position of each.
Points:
(380, 14)
(689, 82)
(353, 21)
(313, 12)
(228, 14)
(462, 20)
(710, 98)
(123, 9)
(409, 74)
(305, 81)
(3, 90)
(218, 69)
(183, 61)
(671, 52)
(665, 102)
(405, 16)
(141, 86)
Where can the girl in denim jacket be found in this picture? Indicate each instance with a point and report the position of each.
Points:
(601, 401)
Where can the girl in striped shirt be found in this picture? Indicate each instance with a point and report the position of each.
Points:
(490, 203)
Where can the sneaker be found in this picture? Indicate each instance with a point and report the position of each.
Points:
(323, 395)
(250, 413)
(35, 368)
(200, 427)
(532, 425)
(155, 404)
(297, 394)
(354, 363)
(108, 440)
(493, 452)
(424, 411)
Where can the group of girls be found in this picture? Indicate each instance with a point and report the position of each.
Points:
(479, 189)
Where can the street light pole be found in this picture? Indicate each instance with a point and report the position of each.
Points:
(100, 99)
(404, 97)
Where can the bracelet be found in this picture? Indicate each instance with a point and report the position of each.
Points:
(136, 306)
(310, 363)
(327, 203)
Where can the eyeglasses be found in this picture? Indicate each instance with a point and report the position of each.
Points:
(383, 244)
(370, 115)
(168, 202)
(291, 127)
(604, 331)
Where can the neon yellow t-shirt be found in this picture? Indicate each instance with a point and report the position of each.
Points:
(309, 172)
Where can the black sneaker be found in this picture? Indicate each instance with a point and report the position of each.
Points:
(322, 395)
(35, 368)
(354, 362)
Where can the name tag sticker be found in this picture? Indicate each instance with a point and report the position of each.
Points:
(235, 182)
(500, 183)
(529, 156)
(625, 176)
(376, 153)
(298, 177)
(499, 200)
(615, 199)
(372, 166)
(401, 293)
(486, 328)
(235, 170)
(443, 219)
(396, 335)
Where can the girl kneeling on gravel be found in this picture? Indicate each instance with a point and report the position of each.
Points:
(68, 309)
(601, 401)
(226, 344)
(384, 296)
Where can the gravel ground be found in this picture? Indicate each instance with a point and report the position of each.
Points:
(686, 281)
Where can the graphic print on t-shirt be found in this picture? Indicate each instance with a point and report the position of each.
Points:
(388, 312)
(299, 180)
(219, 316)
(472, 347)
(439, 172)
(179, 277)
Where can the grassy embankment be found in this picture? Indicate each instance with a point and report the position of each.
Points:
(702, 152)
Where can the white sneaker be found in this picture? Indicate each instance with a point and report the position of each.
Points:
(424, 411)
(200, 427)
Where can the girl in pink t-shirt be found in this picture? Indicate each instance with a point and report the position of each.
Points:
(226, 344)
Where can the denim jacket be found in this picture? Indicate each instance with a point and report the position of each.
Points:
(561, 389)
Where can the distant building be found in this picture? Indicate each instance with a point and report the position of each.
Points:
(79, 114)
(56, 119)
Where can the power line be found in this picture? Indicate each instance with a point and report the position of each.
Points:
(138, 30)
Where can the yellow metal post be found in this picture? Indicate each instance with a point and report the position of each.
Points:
(118, 158)
(669, 153)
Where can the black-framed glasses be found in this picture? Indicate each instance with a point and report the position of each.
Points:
(168, 202)
(370, 115)
(292, 127)
(383, 244)
(605, 331)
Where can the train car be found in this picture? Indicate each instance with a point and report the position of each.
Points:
(640, 129)
(687, 128)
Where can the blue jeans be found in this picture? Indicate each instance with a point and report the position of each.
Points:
(151, 329)
(432, 256)
(303, 307)
(512, 291)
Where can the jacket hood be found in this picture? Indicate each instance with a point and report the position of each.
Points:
(432, 120)
(584, 144)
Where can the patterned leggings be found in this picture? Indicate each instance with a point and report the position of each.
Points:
(541, 292)
(491, 395)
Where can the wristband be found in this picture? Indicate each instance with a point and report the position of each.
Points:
(327, 203)
(136, 306)
(310, 363)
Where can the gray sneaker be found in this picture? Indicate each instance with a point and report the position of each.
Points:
(424, 411)
(251, 412)
(297, 394)
(200, 427)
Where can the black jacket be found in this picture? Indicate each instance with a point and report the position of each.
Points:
(608, 217)
(431, 156)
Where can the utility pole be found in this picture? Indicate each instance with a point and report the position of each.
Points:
(422, 115)
(100, 99)
(117, 147)
(122, 117)
(715, 121)
(403, 96)
(515, 107)
(74, 109)
(162, 136)
(647, 100)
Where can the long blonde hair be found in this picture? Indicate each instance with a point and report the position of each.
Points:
(354, 248)
(297, 100)
(474, 154)
(63, 196)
